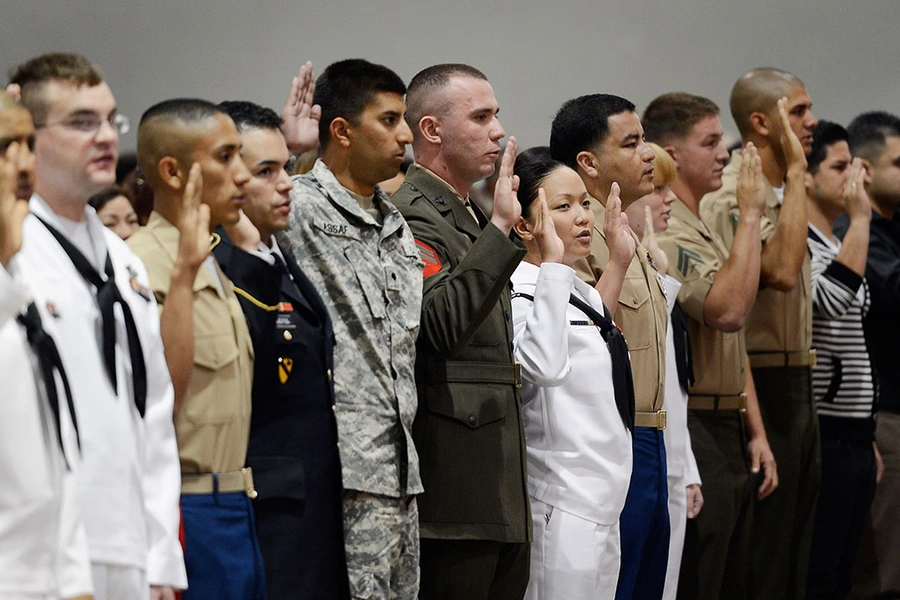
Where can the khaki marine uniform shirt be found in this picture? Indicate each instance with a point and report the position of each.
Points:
(642, 314)
(696, 254)
(213, 424)
(779, 321)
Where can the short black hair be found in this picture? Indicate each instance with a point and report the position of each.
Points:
(825, 134)
(868, 133)
(347, 87)
(582, 123)
(248, 115)
(186, 110)
(533, 166)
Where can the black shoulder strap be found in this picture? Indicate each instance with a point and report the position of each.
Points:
(623, 383)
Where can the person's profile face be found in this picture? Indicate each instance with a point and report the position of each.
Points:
(884, 186)
(660, 202)
(801, 117)
(16, 128)
(268, 199)
(70, 159)
(570, 209)
(625, 158)
(118, 215)
(701, 156)
(379, 139)
(217, 151)
(470, 130)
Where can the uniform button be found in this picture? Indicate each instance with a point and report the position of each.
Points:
(338, 445)
(327, 374)
(413, 188)
(634, 301)
(473, 420)
(334, 409)
(288, 336)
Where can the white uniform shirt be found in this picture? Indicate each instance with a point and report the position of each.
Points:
(130, 477)
(680, 463)
(579, 451)
(43, 549)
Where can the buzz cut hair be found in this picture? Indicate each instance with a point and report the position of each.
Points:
(868, 134)
(248, 115)
(421, 100)
(345, 88)
(670, 117)
(34, 74)
(581, 124)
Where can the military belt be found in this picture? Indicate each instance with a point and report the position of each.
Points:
(763, 360)
(211, 483)
(655, 419)
(460, 371)
(718, 402)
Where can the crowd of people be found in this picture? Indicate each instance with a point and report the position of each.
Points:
(625, 364)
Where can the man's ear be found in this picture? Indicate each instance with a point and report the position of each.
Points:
(588, 164)
(761, 123)
(430, 128)
(341, 131)
(673, 152)
(171, 173)
(809, 183)
(523, 229)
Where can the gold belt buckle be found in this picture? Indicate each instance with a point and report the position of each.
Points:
(662, 420)
(517, 374)
(742, 405)
(249, 489)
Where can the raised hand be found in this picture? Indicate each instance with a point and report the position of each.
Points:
(300, 116)
(649, 242)
(193, 226)
(856, 200)
(794, 154)
(507, 209)
(618, 232)
(550, 246)
(244, 234)
(751, 185)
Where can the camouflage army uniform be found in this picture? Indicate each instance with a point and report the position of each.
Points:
(370, 277)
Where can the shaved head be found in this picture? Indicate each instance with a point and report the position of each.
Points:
(759, 91)
(172, 128)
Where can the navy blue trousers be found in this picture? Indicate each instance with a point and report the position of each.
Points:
(221, 553)
(644, 522)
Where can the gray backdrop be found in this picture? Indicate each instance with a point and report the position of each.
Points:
(536, 53)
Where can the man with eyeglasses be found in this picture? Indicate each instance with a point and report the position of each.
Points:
(98, 293)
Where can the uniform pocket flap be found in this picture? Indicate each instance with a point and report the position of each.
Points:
(214, 351)
(474, 405)
(278, 476)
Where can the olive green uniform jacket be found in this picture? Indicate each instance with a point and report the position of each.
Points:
(468, 429)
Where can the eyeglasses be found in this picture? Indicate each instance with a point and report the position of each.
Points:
(91, 123)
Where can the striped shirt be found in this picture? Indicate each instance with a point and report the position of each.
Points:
(842, 377)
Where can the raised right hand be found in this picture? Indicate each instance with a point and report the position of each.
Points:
(550, 246)
(751, 185)
(618, 232)
(193, 226)
(794, 154)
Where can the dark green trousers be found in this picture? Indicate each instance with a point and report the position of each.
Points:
(783, 522)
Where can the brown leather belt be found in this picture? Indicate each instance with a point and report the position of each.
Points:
(717, 402)
(654, 419)
(229, 481)
(763, 360)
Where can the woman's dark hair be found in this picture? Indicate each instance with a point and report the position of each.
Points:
(533, 166)
(99, 199)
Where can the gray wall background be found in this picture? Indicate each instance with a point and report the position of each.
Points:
(537, 54)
